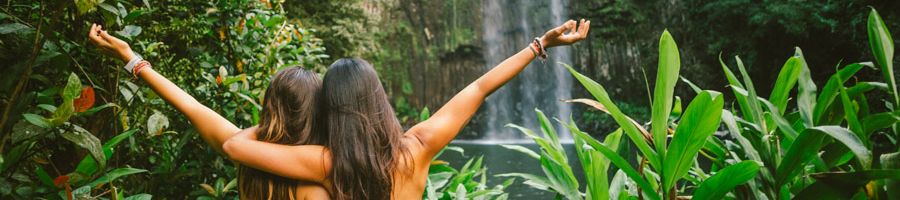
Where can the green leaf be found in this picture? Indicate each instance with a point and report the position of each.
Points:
(740, 94)
(36, 120)
(631, 130)
(666, 79)
(879, 121)
(891, 161)
(807, 146)
(62, 113)
(72, 89)
(88, 165)
(831, 90)
(12, 28)
(96, 109)
(698, 123)
(692, 85)
(806, 94)
(522, 149)
(139, 197)
(752, 100)
(785, 82)
(725, 180)
(843, 185)
(115, 174)
(882, 46)
(537, 182)
(85, 6)
(88, 141)
(852, 119)
(424, 115)
(622, 164)
(594, 164)
(44, 177)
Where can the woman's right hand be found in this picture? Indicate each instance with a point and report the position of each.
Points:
(559, 37)
(110, 44)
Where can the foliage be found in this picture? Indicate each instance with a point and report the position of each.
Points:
(824, 148)
(222, 52)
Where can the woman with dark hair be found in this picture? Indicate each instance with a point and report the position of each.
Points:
(287, 118)
(369, 156)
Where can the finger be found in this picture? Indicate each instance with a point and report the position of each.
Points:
(584, 29)
(92, 34)
(570, 26)
(574, 29)
(105, 35)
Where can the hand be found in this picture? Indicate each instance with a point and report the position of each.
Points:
(559, 36)
(110, 44)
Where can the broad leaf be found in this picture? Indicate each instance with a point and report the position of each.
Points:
(88, 141)
(882, 46)
(631, 131)
(666, 78)
(114, 174)
(699, 122)
(725, 180)
(623, 165)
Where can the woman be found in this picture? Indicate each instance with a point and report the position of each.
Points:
(287, 118)
(369, 156)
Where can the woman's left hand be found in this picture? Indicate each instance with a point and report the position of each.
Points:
(110, 44)
(566, 34)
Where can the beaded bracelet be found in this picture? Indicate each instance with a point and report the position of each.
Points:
(140, 66)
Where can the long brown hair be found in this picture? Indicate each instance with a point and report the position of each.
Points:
(364, 135)
(287, 117)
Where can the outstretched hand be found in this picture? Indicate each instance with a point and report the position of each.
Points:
(110, 44)
(566, 34)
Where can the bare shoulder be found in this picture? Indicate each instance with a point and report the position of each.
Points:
(415, 145)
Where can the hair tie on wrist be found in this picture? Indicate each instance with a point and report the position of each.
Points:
(131, 63)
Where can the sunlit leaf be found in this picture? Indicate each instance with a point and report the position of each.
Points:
(882, 45)
(699, 122)
(666, 78)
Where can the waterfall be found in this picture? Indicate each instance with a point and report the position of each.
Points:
(509, 26)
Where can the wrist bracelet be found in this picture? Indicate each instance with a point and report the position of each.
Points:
(134, 61)
(140, 66)
(542, 51)
(531, 46)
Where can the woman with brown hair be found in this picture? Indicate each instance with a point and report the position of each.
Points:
(287, 118)
(368, 155)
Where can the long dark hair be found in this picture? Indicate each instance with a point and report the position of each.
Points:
(364, 133)
(287, 117)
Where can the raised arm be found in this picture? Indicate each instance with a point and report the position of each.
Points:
(436, 132)
(213, 128)
(301, 162)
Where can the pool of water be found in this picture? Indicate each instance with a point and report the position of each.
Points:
(499, 160)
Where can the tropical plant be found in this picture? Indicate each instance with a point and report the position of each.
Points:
(821, 150)
(667, 165)
(829, 135)
(222, 52)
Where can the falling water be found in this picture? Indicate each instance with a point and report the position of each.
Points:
(509, 25)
